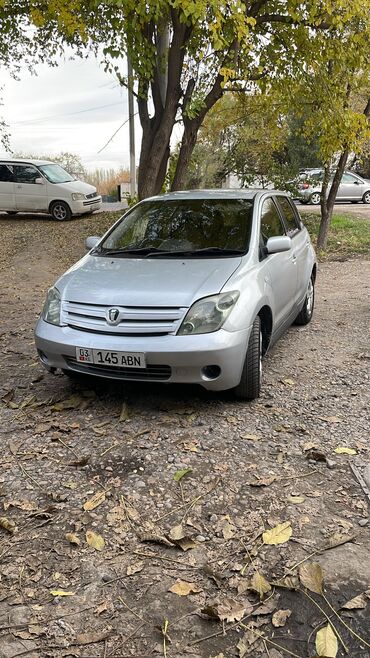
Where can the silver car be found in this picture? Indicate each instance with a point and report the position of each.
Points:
(352, 187)
(188, 287)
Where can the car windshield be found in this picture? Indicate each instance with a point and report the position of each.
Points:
(183, 227)
(55, 173)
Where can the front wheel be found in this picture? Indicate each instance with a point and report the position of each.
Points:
(315, 198)
(60, 211)
(366, 197)
(306, 313)
(249, 386)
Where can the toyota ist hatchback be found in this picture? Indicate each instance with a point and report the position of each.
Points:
(188, 287)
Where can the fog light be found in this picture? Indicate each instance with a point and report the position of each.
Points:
(211, 372)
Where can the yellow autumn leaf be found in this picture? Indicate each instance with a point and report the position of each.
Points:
(259, 584)
(72, 538)
(326, 642)
(61, 592)
(93, 502)
(280, 534)
(345, 451)
(311, 576)
(183, 588)
(95, 540)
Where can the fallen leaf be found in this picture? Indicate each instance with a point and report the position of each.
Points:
(357, 603)
(311, 576)
(227, 610)
(180, 474)
(265, 608)
(326, 642)
(7, 524)
(296, 500)
(280, 617)
(95, 501)
(134, 568)
(309, 446)
(262, 481)
(177, 532)
(191, 446)
(331, 419)
(316, 455)
(251, 437)
(280, 534)
(80, 462)
(259, 584)
(287, 382)
(183, 588)
(95, 540)
(72, 538)
(74, 402)
(345, 451)
(125, 414)
(102, 607)
(186, 543)
(92, 638)
(61, 592)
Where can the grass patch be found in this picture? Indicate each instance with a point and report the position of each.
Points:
(348, 236)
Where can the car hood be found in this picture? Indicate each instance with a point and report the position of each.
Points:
(78, 186)
(145, 281)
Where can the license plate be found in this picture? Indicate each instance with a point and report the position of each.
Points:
(109, 358)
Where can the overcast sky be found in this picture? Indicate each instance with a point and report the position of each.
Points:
(75, 107)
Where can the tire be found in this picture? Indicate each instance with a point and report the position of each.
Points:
(315, 198)
(60, 211)
(306, 312)
(303, 201)
(249, 386)
(366, 197)
(12, 212)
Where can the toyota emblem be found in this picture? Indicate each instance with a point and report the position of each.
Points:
(113, 316)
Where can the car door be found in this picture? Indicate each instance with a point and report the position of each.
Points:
(300, 243)
(7, 201)
(280, 270)
(29, 195)
(350, 188)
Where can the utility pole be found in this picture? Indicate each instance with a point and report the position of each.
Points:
(131, 123)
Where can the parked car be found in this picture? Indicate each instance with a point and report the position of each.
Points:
(42, 186)
(189, 287)
(352, 187)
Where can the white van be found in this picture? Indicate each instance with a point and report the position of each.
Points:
(42, 186)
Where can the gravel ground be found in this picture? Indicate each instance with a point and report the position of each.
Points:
(101, 532)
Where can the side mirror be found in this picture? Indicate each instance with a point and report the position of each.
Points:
(39, 181)
(92, 241)
(278, 244)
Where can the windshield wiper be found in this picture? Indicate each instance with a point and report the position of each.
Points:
(206, 251)
(143, 251)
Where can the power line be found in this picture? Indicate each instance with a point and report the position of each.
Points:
(58, 116)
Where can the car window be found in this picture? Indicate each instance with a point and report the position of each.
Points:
(271, 224)
(348, 178)
(25, 174)
(6, 173)
(288, 214)
(185, 224)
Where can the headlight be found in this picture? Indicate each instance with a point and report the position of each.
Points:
(51, 310)
(77, 196)
(208, 314)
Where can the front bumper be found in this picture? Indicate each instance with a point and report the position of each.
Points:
(84, 206)
(173, 359)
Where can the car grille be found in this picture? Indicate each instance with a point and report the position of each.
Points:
(135, 321)
(150, 373)
(91, 196)
(92, 201)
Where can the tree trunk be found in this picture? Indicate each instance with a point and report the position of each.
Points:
(188, 142)
(328, 200)
(191, 128)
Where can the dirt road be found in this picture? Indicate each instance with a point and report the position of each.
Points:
(103, 532)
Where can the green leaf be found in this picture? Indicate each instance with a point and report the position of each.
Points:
(180, 474)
